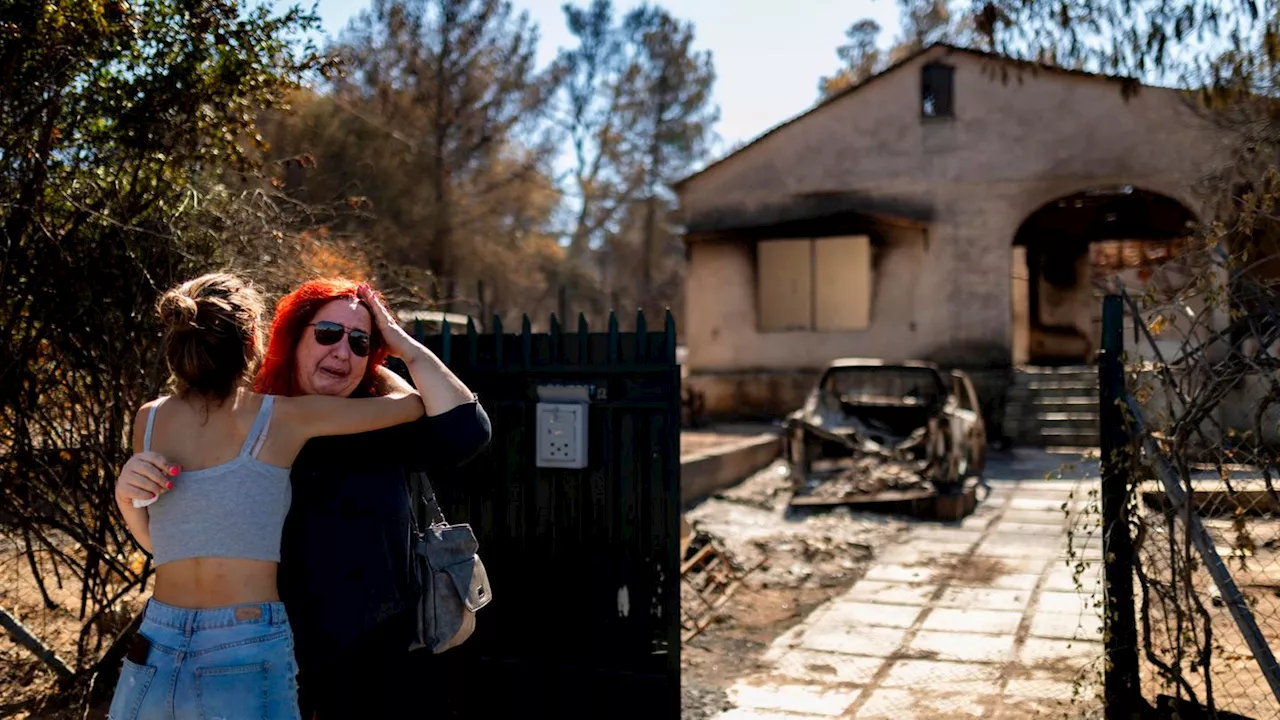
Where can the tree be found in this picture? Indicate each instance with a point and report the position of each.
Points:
(128, 161)
(924, 23)
(638, 115)
(860, 58)
(670, 117)
(927, 22)
(599, 82)
(1192, 42)
(451, 88)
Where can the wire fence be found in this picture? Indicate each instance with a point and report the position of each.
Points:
(1201, 415)
(48, 629)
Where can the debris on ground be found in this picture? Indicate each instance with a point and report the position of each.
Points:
(862, 475)
(789, 561)
(766, 490)
(708, 578)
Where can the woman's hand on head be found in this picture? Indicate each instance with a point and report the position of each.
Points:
(399, 343)
(146, 475)
(438, 387)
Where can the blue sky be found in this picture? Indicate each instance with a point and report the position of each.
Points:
(768, 54)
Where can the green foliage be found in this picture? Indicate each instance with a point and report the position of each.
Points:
(123, 129)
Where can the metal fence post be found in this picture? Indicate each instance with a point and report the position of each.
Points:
(1122, 690)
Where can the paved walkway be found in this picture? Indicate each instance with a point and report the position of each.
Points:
(981, 618)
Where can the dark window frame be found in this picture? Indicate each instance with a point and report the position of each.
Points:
(937, 91)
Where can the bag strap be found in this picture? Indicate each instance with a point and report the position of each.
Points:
(422, 496)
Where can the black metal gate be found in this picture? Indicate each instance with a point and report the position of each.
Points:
(584, 563)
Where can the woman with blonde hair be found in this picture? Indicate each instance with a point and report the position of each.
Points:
(207, 493)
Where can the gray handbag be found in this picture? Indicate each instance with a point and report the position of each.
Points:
(449, 579)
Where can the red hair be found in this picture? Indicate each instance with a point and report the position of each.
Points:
(294, 312)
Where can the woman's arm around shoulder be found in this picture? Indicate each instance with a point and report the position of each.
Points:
(309, 416)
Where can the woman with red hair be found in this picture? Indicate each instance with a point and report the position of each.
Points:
(294, 314)
(344, 554)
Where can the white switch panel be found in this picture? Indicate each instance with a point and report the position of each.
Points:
(562, 435)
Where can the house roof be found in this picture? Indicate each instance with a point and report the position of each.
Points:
(1030, 64)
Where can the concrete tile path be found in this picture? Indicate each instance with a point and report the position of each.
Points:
(982, 618)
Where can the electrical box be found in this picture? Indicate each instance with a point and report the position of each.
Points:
(562, 435)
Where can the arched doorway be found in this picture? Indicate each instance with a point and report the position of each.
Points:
(1063, 248)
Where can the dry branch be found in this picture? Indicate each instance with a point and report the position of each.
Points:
(24, 637)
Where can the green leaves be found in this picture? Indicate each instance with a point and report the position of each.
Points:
(114, 116)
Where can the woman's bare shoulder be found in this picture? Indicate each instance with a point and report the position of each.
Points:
(149, 406)
(140, 420)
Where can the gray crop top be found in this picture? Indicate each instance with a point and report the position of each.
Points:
(232, 510)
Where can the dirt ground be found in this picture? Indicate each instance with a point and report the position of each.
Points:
(797, 561)
(28, 682)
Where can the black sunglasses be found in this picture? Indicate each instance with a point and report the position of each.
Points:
(329, 332)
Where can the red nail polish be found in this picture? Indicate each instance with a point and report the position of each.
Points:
(175, 470)
(169, 485)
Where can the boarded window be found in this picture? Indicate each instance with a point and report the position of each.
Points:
(784, 277)
(937, 96)
(819, 284)
(842, 283)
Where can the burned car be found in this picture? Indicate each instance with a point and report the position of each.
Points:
(871, 427)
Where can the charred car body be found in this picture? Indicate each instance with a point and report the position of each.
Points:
(900, 425)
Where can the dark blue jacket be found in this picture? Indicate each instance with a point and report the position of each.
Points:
(344, 553)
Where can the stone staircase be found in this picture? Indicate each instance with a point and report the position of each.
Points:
(1053, 407)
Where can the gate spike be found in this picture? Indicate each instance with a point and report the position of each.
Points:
(642, 336)
(526, 339)
(613, 338)
(669, 328)
(473, 350)
(555, 338)
(584, 340)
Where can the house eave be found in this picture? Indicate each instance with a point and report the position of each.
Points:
(810, 215)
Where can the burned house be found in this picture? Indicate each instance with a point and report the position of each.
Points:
(955, 209)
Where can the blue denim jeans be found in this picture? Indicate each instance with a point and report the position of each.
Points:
(227, 663)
